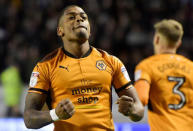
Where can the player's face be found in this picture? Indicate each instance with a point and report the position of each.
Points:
(75, 24)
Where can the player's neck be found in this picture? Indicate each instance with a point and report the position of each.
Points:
(167, 51)
(76, 49)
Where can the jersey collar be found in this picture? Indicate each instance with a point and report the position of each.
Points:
(71, 55)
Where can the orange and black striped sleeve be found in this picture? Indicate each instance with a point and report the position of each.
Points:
(121, 79)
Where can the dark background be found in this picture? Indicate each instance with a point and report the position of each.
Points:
(123, 28)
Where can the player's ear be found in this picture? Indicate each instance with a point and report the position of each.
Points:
(60, 31)
(157, 39)
(179, 44)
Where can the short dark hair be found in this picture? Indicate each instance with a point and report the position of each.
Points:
(62, 13)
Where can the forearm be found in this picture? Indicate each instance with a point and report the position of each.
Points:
(135, 110)
(36, 119)
(138, 112)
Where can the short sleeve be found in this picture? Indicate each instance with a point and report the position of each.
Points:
(39, 81)
(121, 78)
(142, 72)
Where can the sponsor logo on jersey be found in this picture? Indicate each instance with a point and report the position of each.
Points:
(101, 65)
(34, 79)
(124, 71)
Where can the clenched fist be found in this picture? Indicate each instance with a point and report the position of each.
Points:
(126, 105)
(64, 109)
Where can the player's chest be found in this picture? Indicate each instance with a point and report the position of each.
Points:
(82, 73)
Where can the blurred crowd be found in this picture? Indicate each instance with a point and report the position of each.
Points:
(123, 28)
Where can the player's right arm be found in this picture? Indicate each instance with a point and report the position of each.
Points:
(142, 87)
(142, 82)
(34, 118)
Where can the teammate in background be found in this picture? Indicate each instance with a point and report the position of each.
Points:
(164, 81)
(75, 81)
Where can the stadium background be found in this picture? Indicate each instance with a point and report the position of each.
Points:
(123, 28)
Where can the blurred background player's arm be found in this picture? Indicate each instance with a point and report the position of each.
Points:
(130, 104)
(35, 118)
(142, 87)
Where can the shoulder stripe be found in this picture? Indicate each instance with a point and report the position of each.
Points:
(37, 89)
(123, 87)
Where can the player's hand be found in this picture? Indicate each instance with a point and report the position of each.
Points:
(126, 105)
(65, 109)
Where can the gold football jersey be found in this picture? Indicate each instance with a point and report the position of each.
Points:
(86, 82)
(170, 106)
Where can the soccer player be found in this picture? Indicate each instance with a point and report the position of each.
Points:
(164, 81)
(75, 82)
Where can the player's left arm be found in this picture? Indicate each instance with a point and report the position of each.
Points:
(130, 104)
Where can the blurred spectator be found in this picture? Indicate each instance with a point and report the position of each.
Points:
(28, 27)
(12, 87)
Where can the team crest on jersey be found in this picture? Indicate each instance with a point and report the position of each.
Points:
(101, 65)
(34, 79)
